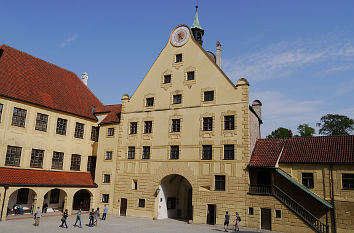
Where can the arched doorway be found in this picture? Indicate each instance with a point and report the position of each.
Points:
(82, 200)
(23, 198)
(54, 200)
(175, 198)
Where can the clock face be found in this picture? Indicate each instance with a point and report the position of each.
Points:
(180, 36)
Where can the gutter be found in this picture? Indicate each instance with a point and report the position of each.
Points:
(6, 186)
(333, 210)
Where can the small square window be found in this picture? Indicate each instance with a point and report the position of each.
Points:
(131, 152)
(207, 153)
(142, 203)
(108, 155)
(110, 132)
(41, 122)
(229, 122)
(278, 213)
(167, 78)
(207, 123)
(106, 178)
(176, 125)
(177, 99)
(19, 117)
(149, 102)
(219, 183)
(250, 210)
(133, 127)
(105, 198)
(190, 75)
(174, 154)
(146, 152)
(147, 126)
(208, 95)
(178, 57)
(348, 181)
(13, 156)
(307, 180)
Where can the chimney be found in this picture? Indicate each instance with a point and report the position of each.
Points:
(257, 105)
(84, 78)
(218, 53)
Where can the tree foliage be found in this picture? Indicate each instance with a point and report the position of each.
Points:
(305, 130)
(333, 124)
(280, 133)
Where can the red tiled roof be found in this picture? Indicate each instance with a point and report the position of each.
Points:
(14, 176)
(323, 149)
(113, 113)
(33, 80)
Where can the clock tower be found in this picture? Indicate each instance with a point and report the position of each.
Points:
(197, 30)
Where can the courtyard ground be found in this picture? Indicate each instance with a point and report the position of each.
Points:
(113, 224)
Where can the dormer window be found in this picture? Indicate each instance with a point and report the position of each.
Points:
(179, 58)
(150, 102)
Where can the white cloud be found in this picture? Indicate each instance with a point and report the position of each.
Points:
(67, 41)
(284, 58)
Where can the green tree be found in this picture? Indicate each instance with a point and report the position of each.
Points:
(280, 133)
(334, 124)
(305, 130)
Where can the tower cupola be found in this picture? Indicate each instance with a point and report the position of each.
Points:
(197, 30)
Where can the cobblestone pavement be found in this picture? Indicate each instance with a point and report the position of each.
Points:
(113, 224)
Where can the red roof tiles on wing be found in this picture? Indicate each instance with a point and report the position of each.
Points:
(33, 80)
(113, 113)
(13, 176)
(323, 149)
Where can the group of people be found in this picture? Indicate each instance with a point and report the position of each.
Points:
(18, 209)
(94, 215)
(227, 221)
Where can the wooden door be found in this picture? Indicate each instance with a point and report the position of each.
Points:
(266, 219)
(123, 207)
(211, 216)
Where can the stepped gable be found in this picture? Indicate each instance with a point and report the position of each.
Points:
(30, 79)
(13, 176)
(113, 113)
(305, 150)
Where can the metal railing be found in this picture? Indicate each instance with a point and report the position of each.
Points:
(260, 189)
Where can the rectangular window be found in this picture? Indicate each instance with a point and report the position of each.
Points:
(142, 203)
(176, 125)
(54, 196)
(22, 196)
(178, 57)
(95, 131)
(208, 95)
(57, 160)
(229, 152)
(174, 152)
(167, 78)
(13, 156)
(133, 127)
(108, 155)
(135, 187)
(37, 158)
(131, 152)
(177, 99)
(147, 126)
(207, 153)
(61, 126)
(75, 162)
(106, 178)
(1, 106)
(146, 152)
(307, 180)
(110, 132)
(250, 210)
(19, 117)
(171, 203)
(105, 198)
(41, 122)
(190, 75)
(79, 130)
(278, 213)
(229, 122)
(348, 181)
(219, 183)
(207, 123)
(149, 102)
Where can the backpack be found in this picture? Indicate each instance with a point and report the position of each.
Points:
(239, 218)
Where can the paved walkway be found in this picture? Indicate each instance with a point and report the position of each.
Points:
(113, 224)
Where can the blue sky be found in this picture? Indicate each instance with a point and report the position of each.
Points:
(297, 55)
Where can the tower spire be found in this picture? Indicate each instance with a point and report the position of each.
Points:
(197, 30)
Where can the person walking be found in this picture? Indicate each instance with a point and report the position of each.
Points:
(105, 210)
(63, 219)
(37, 216)
(97, 216)
(227, 220)
(78, 218)
(91, 217)
(238, 219)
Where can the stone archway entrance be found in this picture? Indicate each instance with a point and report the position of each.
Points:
(175, 198)
(23, 198)
(54, 200)
(82, 200)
